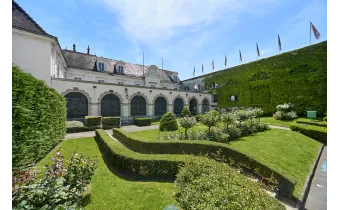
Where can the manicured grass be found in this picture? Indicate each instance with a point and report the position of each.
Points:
(111, 190)
(289, 153)
(272, 121)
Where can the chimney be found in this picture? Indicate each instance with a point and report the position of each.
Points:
(74, 47)
(88, 49)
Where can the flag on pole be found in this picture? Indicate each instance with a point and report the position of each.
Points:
(202, 68)
(258, 50)
(225, 60)
(193, 72)
(279, 41)
(196, 86)
(240, 56)
(213, 66)
(315, 31)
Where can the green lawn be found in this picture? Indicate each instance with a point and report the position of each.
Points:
(289, 153)
(272, 121)
(110, 190)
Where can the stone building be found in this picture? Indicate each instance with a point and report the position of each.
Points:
(94, 85)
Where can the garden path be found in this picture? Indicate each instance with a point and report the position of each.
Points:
(84, 134)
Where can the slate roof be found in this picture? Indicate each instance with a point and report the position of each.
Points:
(83, 61)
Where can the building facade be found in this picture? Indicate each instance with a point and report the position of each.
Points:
(98, 86)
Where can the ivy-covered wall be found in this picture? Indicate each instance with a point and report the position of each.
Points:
(298, 77)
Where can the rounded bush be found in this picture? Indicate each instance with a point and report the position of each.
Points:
(38, 119)
(168, 122)
(185, 112)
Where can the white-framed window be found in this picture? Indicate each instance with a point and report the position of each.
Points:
(101, 80)
(153, 86)
(120, 69)
(101, 66)
(120, 83)
(77, 78)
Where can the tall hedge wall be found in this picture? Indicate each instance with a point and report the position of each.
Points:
(298, 76)
(38, 119)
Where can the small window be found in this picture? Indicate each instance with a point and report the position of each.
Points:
(100, 80)
(175, 78)
(77, 78)
(165, 87)
(120, 70)
(101, 66)
(137, 84)
(120, 83)
(186, 88)
(153, 86)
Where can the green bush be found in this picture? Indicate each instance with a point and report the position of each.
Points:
(168, 122)
(199, 147)
(93, 121)
(298, 76)
(71, 124)
(316, 132)
(185, 112)
(198, 117)
(82, 129)
(187, 123)
(228, 118)
(38, 119)
(210, 119)
(310, 122)
(207, 184)
(233, 131)
(142, 121)
(325, 118)
(112, 122)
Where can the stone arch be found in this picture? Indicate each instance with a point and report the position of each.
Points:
(205, 105)
(138, 105)
(160, 105)
(178, 104)
(89, 99)
(193, 105)
(138, 94)
(160, 95)
(107, 93)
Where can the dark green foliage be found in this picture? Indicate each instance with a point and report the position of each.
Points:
(185, 112)
(60, 188)
(142, 121)
(325, 118)
(168, 122)
(83, 129)
(198, 117)
(113, 122)
(93, 121)
(316, 132)
(38, 119)
(198, 147)
(314, 122)
(207, 184)
(299, 77)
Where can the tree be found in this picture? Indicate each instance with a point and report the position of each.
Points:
(257, 113)
(210, 119)
(187, 123)
(242, 115)
(228, 118)
(185, 112)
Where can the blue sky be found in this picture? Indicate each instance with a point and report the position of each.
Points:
(185, 33)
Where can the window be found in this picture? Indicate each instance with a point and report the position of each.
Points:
(77, 105)
(120, 83)
(160, 106)
(110, 105)
(137, 84)
(178, 106)
(175, 78)
(100, 80)
(215, 98)
(77, 78)
(165, 87)
(186, 88)
(138, 106)
(101, 66)
(120, 70)
(153, 86)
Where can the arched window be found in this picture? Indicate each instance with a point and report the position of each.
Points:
(205, 105)
(138, 106)
(193, 106)
(110, 105)
(178, 106)
(160, 106)
(77, 105)
(186, 88)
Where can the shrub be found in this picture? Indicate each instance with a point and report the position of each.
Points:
(187, 123)
(257, 113)
(242, 115)
(233, 131)
(210, 119)
(60, 188)
(325, 118)
(198, 117)
(71, 124)
(93, 121)
(111, 122)
(285, 112)
(168, 122)
(185, 112)
(316, 132)
(218, 135)
(38, 119)
(310, 122)
(207, 184)
(228, 118)
(142, 121)
(284, 107)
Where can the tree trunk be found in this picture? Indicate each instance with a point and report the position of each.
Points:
(186, 135)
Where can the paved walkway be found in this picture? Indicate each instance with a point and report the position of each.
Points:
(134, 128)
(317, 195)
(84, 134)
(279, 127)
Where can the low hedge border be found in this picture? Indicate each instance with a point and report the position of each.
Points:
(86, 128)
(200, 147)
(142, 121)
(114, 122)
(93, 121)
(316, 132)
(309, 122)
(137, 164)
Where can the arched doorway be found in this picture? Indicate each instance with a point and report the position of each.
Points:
(205, 105)
(160, 106)
(110, 105)
(77, 105)
(193, 106)
(138, 106)
(178, 106)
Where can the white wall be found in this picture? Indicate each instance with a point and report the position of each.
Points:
(32, 53)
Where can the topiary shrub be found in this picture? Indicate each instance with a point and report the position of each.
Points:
(111, 122)
(168, 122)
(210, 119)
(285, 112)
(186, 123)
(142, 121)
(93, 121)
(185, 112)
(38, 119)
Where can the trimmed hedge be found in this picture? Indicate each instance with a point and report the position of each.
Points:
(83, 129)
(142, 121)
(114, 122)
(168, 122)
(298, 77)
(200, 147)
(38, 119)
(316, 132)
(309, 122)
(137, 164)
(93, 121)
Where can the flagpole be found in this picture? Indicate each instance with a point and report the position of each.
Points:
(162, 63)
(143, 69)
(310, 33)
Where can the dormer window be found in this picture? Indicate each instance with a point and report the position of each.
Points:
(101, 66)
(120, 70)
(175, 78)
